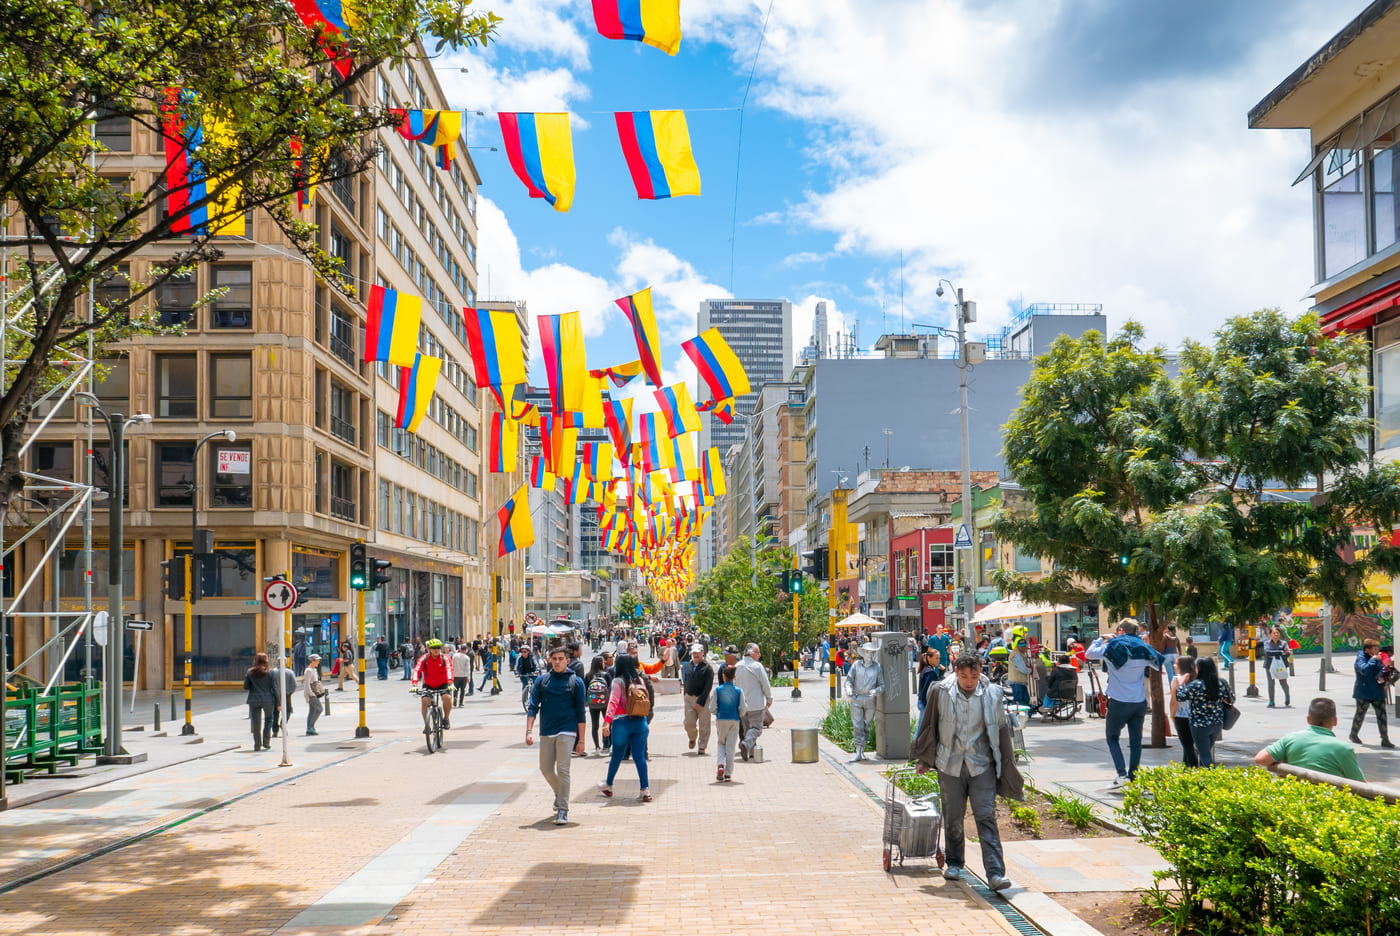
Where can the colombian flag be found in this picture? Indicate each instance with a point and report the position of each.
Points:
(683, 455)
(677, 409)
(416, 385)
(656, 145)
(723, 410)
(565, 360)
(187, 180)
(655, 22)
(541, 151)
(711, 473)
(654, 454)
(438, 129)
(516, 530)
(637, 307)
(718, 366)
(331, 22)
(617, 417)
(621, 374)
(497, 350)
(598, 457)
(505, 436)
(391, 329)
(540, 475)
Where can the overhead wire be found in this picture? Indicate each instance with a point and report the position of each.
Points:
(739, 146)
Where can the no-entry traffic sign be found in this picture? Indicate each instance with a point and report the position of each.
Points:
(280, 595)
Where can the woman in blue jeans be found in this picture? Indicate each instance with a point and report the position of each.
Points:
(628, 732)
(1208, 696)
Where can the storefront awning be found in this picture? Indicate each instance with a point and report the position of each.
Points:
(1361, 314)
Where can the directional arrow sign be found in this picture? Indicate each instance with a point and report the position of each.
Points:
(280, 595)
(964, 538)
(140, 625)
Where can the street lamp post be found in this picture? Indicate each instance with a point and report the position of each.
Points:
(227, 435)
(113, 751)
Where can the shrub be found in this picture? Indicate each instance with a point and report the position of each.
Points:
(1269, 855)
(912, 783)
(1071, 809)
(1025, 816)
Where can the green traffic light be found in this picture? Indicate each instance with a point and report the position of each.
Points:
(796, 583)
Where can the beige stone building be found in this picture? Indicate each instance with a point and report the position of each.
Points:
(316, 464)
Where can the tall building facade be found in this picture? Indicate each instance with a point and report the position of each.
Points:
(316, 464)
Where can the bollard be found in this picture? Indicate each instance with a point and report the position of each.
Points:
(172, 706)
(157, 723)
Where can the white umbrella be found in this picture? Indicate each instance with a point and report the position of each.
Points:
(1005, 609)
(858, 620)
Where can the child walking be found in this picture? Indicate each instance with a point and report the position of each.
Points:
(724, 705)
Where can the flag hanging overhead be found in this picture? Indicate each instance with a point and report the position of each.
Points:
(187, 137)
(654, 22)
(565, 360)
(642, 317)
(711, 473)
(719, 367)
(391, 327)
(723, 410)
(416, 386)
(656, 145)
(617, 417)
(498, 356)
(516, 530)
(331, 23)
(677, 409)
(439, 129)
(504, 442)
(541, 151)
(540, 475)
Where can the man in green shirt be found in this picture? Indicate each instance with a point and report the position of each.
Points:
(1315, 747)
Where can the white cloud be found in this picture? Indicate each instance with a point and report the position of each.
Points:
(804, 315)
(550, 27)
(677, 288)
(1152, 198)
(490, 89)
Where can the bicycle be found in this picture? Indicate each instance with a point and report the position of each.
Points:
(432, 721)
(527, 683)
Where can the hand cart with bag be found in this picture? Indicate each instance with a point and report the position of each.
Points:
(913, 826)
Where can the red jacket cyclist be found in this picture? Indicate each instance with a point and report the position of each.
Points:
(434, 671)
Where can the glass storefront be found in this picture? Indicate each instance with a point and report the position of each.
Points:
(224, 645)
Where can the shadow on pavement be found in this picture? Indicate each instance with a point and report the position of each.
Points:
(336, 804)
(604, 894)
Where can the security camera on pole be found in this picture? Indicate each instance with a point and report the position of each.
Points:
(967, 356)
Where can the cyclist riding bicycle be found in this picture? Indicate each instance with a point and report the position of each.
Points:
(434, 670)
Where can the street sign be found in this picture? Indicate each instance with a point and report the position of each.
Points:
(233, 461)
(964, 538)
(531, 619)
(280, 595)
(140, 625)
(99, 627)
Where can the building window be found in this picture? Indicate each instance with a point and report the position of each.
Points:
(71, 569)
(177, 386)
(175, 299)
(174, 473)
(342, 491)
(1385, 189)
(471, 484)
(113, 290)
(113, 130)
(224, 645)
(411, 515)
(231, 376)
(234, 309)
(231, 467)
(102, 469)
(1343, 206)
(320, 481)
(316, 572)
(343, 413)
(385, 514)
(471, 438)
(1387, 380)
(343, 335)
(54, 460)
(231, 572)
(340, 248)
(398, 509)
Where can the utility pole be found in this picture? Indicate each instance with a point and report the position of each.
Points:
(967, 507)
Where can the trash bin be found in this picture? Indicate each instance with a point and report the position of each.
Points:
(804, 745)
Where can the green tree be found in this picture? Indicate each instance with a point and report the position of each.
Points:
(626, 605)
(251, 67)
(1157, 491)
(732, 607)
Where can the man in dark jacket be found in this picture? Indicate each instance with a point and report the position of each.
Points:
(697, 679)
(1369, 692)
(559, 699)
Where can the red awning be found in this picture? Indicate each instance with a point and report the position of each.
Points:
(1362, 313)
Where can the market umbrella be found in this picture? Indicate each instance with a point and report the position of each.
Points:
(1004, 609)
(857, 621)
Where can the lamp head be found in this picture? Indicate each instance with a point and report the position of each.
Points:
(140, 417)
(86, 399)
(939, 291)
(230, 435)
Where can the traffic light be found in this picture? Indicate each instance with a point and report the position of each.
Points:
(172, 578)
(497, 579)
(359, 571)
(816, 563)
(1124, 561)
(379, 574)
(795, 583)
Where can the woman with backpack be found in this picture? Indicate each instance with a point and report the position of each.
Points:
(1208, 696)
(629, 703)
(599, 685)
(261, 687)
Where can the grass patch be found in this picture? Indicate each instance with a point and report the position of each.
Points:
(836, 725)
(1026, 817)
(1072, 810)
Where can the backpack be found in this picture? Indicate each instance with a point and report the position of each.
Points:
(598, 692)
(638, 701)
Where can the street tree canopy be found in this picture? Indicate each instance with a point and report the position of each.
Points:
(251, 70)
(1189, 496)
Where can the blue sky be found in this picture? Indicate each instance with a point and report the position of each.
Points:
(1031, 150)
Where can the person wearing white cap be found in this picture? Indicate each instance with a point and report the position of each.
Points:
(313, 690)
(866, 680)
(698, 679)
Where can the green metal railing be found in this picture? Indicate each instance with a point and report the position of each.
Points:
(45, 731)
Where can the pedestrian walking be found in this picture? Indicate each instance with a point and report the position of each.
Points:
(488, 663)
(1208, 695)
(963, 734)
(288, 684)
(866, 683)
(752, 680)
(347, 666)
(406, 658)
(558, 700)
(381, 656)
(1315, 747)
(313, 691)
(824, 656)
(1227, 640)
(299, 654)
(1369, 691)
(629, 703)
(1181, 710)
(461, 675)
(697, 682)
(262, 701)
(575, 658)
(725, 705)
(1128, 658)
(1276, 657)
(1019, 675)
(930, 672)
(597, 686)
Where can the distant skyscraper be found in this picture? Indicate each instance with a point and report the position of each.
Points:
(821, 338)
(760, 334)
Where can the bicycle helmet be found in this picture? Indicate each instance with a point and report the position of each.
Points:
(433, 643)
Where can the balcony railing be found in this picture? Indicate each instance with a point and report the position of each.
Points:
(343, 508)
(343, 348)
(342, 429)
